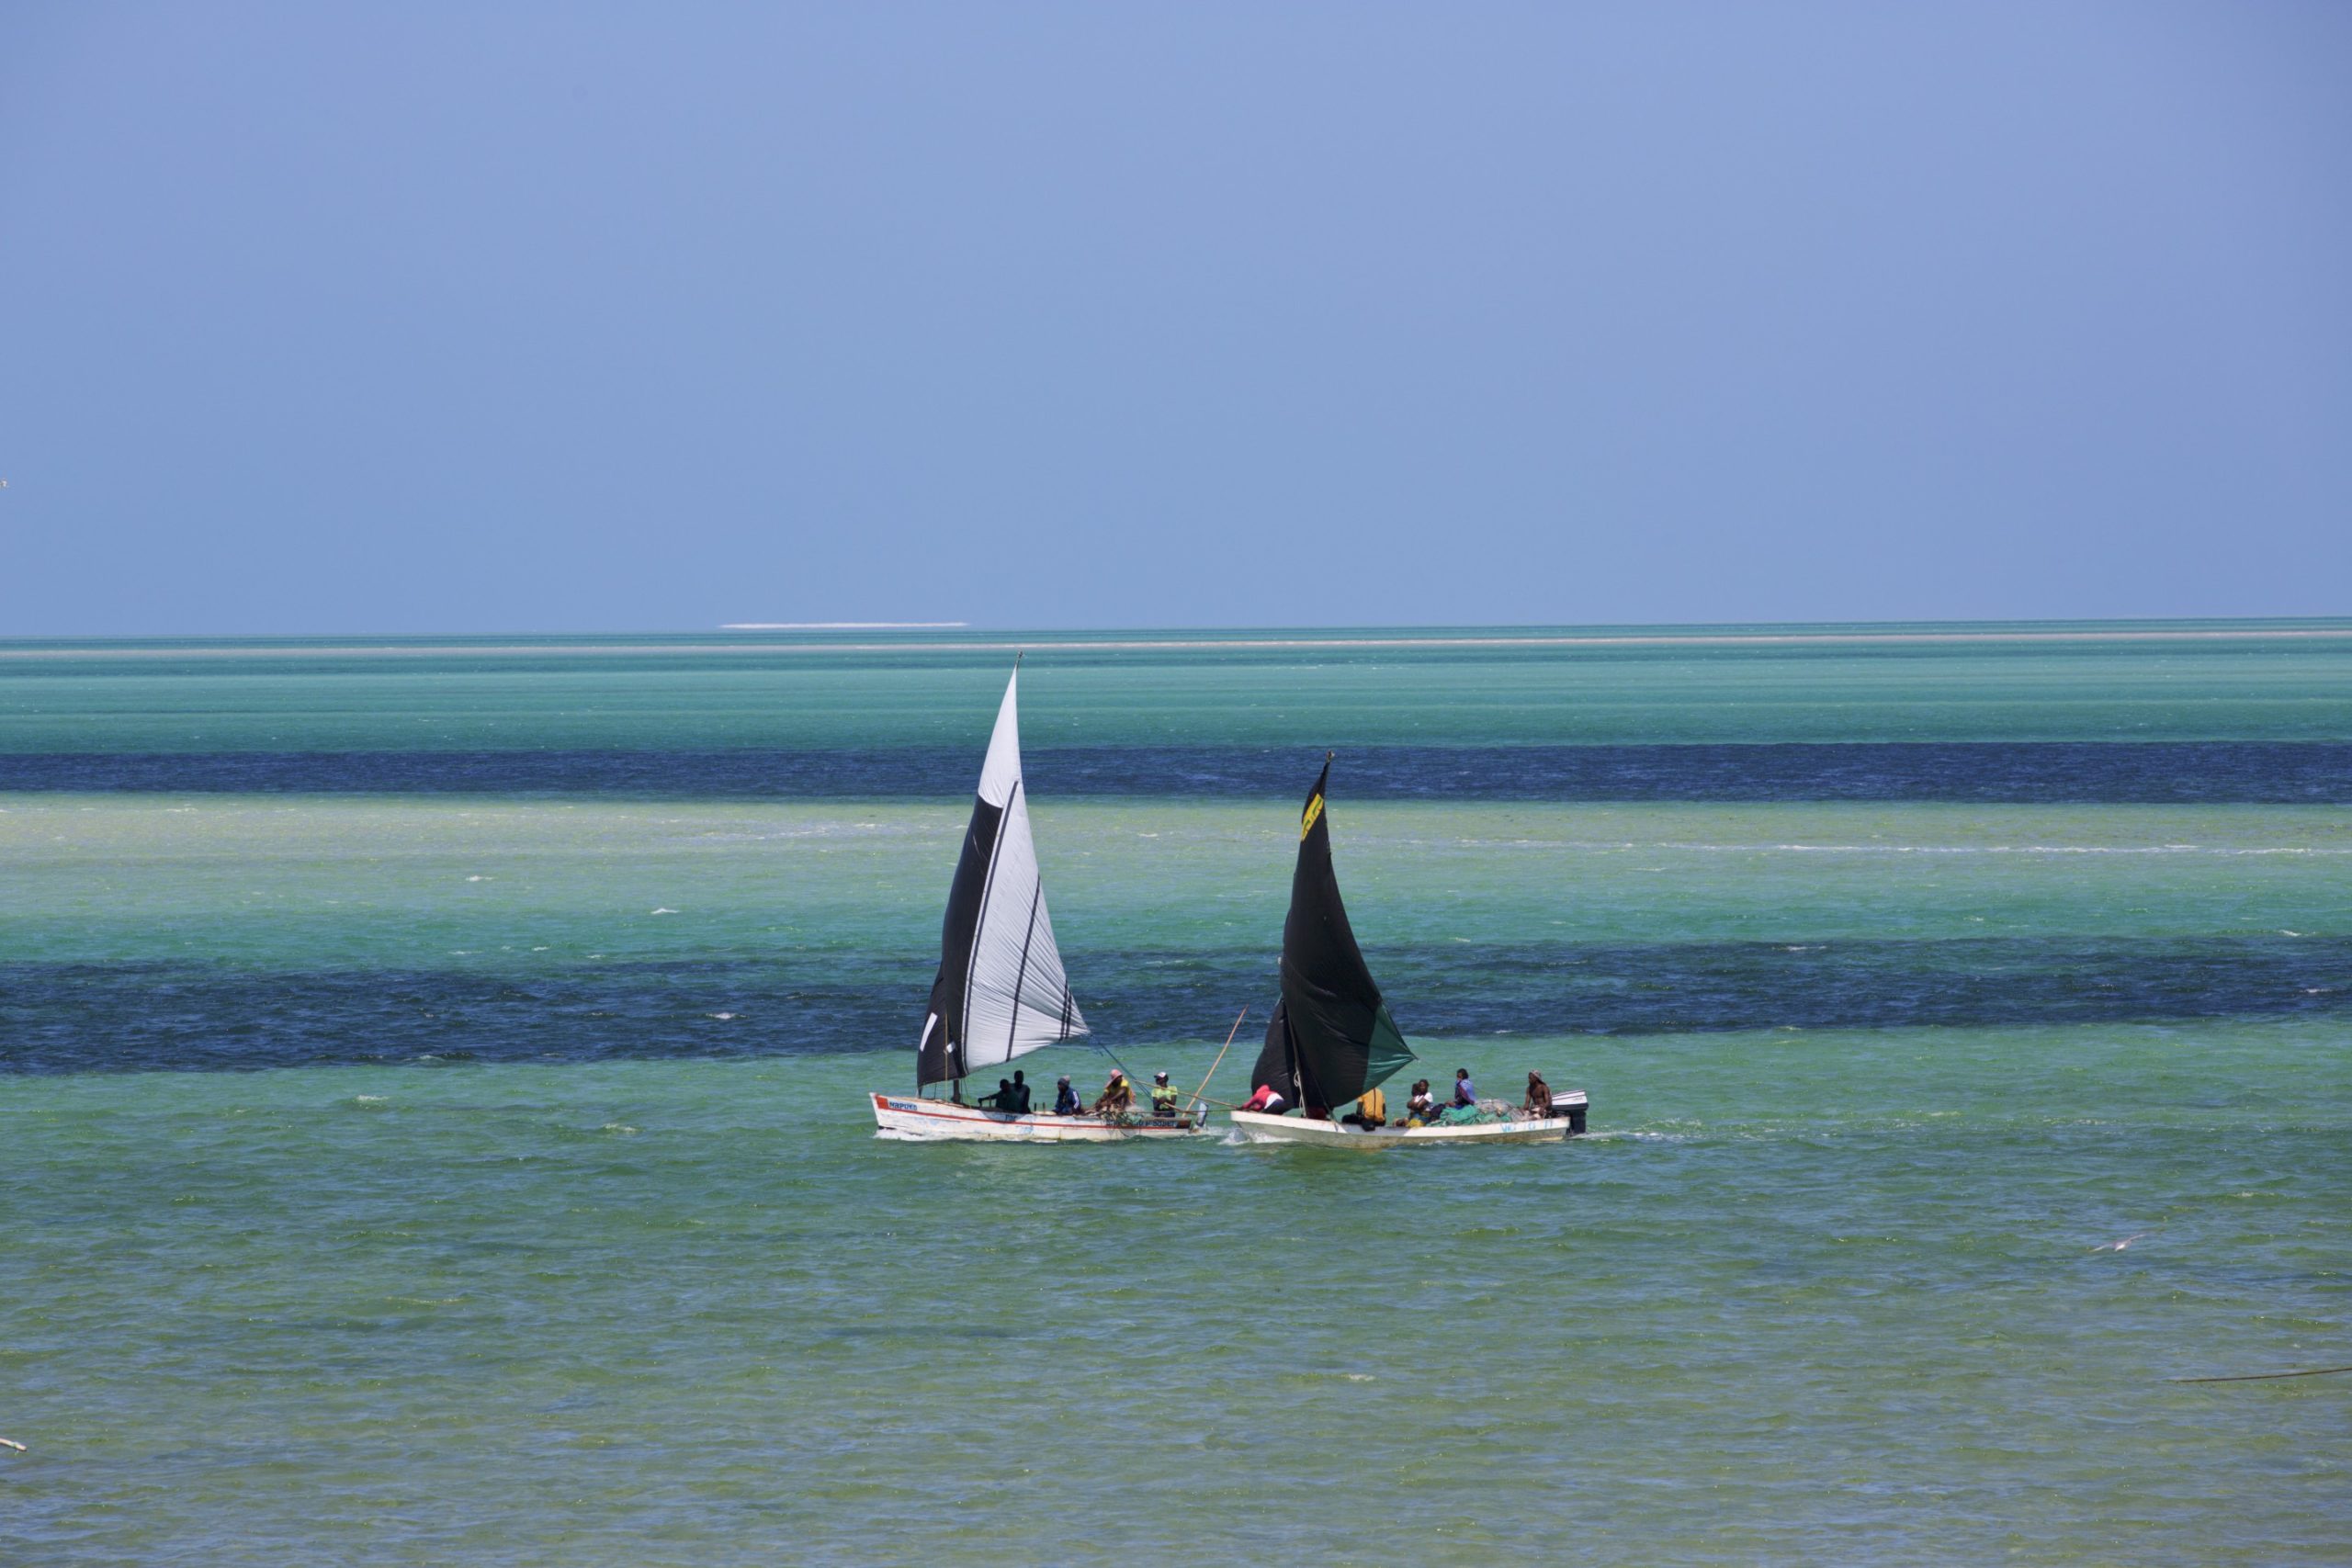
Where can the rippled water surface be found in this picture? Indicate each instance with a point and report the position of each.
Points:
(472, 1167)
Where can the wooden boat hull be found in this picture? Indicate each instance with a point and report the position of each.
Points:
(1255, 1128)
(911, 1119)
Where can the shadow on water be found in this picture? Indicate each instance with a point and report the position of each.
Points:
(2034, 772)
(84, 1017)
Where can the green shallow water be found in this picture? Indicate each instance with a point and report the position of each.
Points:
(540, 1221)
(282, 882)
(1828, 1297)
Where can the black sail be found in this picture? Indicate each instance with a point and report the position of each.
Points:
(940, 1057)
(1332, 1037)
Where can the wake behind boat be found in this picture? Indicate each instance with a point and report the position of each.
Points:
(1000, 992)
(1332, 1039)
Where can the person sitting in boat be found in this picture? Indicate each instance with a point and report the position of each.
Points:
(1000, 1100)
(1118, 1096)
(1163, 1098)
(1420, 1109)
(1465, 1091)
(1539, 1097)
(1065, 1098)
(1019, 1103)
(1265, 1101)
(1371, 1112)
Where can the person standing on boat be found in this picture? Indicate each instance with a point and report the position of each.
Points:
(1163, 1098)
(1017, 1102)
(1065, 1098)
(1465, 1091)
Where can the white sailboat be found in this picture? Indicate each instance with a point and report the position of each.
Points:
(1000, 992)
(1332, 1038)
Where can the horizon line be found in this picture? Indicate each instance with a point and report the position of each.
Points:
(420, 644)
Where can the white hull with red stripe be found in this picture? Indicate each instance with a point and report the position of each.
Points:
(912, 1119)
(1254, 1128)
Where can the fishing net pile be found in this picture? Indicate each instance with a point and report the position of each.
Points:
(1472, 1115)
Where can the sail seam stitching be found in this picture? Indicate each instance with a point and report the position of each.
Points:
(981, 918)
(1020, 976)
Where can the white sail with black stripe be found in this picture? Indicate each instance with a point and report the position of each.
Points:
(1000, 990)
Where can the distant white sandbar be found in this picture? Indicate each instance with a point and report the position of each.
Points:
(844, 625)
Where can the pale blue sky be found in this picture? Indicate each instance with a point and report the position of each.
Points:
(449, 318)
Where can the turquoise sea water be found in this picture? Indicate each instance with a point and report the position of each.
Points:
(416, 1178)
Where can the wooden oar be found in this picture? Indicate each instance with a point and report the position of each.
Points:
(1198, 1095)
